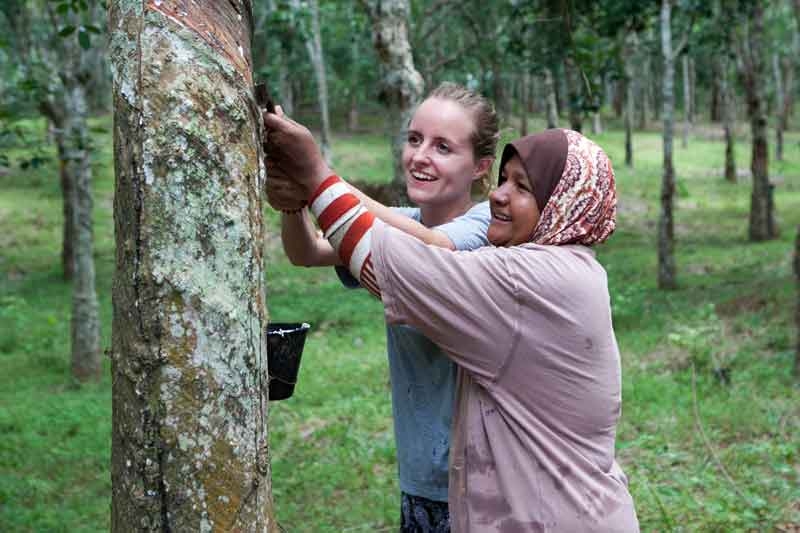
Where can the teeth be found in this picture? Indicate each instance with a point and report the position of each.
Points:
(504, 218)
(423, 177)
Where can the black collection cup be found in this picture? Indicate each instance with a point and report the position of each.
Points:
(285, 343)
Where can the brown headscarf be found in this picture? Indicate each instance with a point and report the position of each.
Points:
(573, 183)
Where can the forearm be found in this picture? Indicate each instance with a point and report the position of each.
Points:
(347, 225)
(404, 223)
(303, 244)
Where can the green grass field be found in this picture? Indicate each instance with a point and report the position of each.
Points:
(710, 432)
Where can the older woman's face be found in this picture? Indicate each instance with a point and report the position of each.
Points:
(513, 205)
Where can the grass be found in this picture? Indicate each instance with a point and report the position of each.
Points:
(709, 435)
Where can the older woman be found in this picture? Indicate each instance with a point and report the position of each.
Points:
(528, 323)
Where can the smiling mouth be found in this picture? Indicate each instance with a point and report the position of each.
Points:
(421, 176)
(501, 217)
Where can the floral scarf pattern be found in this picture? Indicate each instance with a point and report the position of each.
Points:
(583, 206)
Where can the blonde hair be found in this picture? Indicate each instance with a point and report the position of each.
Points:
(486, 131)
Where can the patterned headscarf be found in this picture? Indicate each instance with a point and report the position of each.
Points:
(573, 184)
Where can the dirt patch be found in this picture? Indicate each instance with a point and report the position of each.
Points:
(748, 303)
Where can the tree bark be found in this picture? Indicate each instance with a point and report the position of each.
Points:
(314, 49)
(65, 105)
(573, 86)
(85, 322)
(797, 307)
(630, 108)
(552, 104)
(762, 216)
(727, 114)
(189, 429)
(687, 102)
(644, 93)
(666, 240)
(525, 98)
(402, 85)
(779, 103)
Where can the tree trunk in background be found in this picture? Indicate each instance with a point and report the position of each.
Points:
(666, 240)
(788, 88)
(779, 103)
(189, 431)
(727, 112)
(597, 123)
(573, 89)
(69, 231)
(66, 106)
(715, 107)
(314, 48)
(85, 322)
(552, 104)
(402, 84)
(525, 103)
(762, 216)
(797, 307)
(355, 58)
(630, 107)
(687, 102)
(644, 117)
(692, 91)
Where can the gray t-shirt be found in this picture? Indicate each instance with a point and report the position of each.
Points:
(423, 379)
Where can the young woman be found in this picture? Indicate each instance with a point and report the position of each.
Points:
(449, 151)
(528, 323)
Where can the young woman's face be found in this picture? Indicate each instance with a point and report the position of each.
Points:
(513, 205)
(438, 157)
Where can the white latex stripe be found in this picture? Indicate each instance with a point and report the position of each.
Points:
(328, 196)
(360, 253)
(350, 214)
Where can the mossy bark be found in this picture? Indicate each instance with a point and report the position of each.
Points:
(189, 367)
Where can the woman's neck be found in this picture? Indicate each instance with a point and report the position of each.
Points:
(436, 215)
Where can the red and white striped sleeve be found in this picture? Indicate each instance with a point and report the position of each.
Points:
(347, 225)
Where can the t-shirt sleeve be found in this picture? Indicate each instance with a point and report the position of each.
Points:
(468, 232)
(466, 302)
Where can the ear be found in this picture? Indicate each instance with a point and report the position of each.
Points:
(482, 166)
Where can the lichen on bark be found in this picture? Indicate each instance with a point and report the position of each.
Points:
(188, 351)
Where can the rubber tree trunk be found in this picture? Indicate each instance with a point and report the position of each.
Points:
(667, 278)
(402, 85)
(573, 89)
(779, 104)
(66, 106)
(315, 54)
(727, 111)
(797, 307)
(525, 97)
(189, 359)
(552, 103)
(762, 208)
(630, 107)
(644, 93)
(687, 102)
(85, 321)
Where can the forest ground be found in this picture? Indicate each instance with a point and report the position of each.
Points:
(710, 429)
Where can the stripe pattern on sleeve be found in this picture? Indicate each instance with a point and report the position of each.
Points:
(348, 227)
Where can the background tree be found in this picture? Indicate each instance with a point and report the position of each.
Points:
(53, 42)
(402, 85)
(189, 436)
(752, 71)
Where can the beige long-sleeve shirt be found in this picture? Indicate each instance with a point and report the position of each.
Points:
(538, 395)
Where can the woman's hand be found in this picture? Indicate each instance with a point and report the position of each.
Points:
(284, 194)
(292, 152)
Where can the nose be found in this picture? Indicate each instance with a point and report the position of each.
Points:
(420, 154)
(500, 194)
